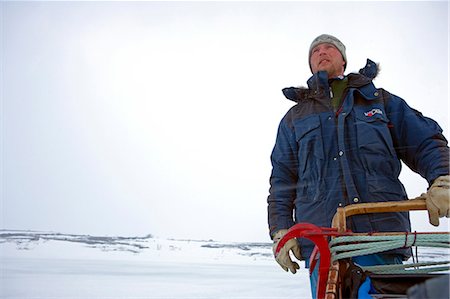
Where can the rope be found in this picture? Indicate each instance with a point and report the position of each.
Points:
(363, 245)
(402, 268)
(351, 246)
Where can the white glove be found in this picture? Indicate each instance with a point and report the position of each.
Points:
(283, 258)
(438, 199)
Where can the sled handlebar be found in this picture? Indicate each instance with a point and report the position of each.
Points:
(340, 218)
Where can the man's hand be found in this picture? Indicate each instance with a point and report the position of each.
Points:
(438, 199)
(283, 258)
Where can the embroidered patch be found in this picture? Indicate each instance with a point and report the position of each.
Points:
(373, 112)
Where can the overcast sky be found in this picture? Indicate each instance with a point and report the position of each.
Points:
(130, 118)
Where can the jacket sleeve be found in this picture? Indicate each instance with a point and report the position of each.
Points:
(418, 140)
(283, 179)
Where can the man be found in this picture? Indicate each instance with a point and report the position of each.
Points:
(342, 144)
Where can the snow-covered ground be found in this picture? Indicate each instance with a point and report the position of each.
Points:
(52, 265)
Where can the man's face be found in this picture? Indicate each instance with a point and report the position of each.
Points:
(326, 57)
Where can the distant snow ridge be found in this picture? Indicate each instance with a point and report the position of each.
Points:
(52, 244)
(147, 245)
(28, 239)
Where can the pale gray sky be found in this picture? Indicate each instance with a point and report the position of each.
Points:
(129, 118)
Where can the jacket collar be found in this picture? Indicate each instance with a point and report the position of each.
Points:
(318, 81)
(318, 84)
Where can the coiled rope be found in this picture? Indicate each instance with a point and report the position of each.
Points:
(357, 245)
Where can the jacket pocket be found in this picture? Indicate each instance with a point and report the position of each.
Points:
(374, 141)
(383, 189)
(310, 147)
(373, 135)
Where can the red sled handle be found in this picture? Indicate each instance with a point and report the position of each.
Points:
(318, 235)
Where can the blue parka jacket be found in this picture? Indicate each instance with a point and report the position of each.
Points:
(325, 159)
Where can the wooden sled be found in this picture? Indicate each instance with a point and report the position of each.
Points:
(331, 284)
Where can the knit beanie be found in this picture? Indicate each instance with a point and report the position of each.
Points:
(326, 38)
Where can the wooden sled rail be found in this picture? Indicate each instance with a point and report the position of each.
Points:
(340, 218)
(333, 290)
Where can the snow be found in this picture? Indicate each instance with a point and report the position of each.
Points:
(38, 265)
(51, 265)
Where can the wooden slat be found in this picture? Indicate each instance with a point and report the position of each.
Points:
(334, 290)
(340, 218)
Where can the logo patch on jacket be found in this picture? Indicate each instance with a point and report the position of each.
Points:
(373, 112)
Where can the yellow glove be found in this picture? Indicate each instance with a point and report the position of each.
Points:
(438, 199)
(283, 258)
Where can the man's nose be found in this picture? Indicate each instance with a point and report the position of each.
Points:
(322, 51)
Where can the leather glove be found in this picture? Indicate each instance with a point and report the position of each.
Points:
(283, 258)
(438, 199)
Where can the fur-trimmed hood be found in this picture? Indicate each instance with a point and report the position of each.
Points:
(318, 83)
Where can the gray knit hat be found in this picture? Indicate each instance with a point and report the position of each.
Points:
(326, 38)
